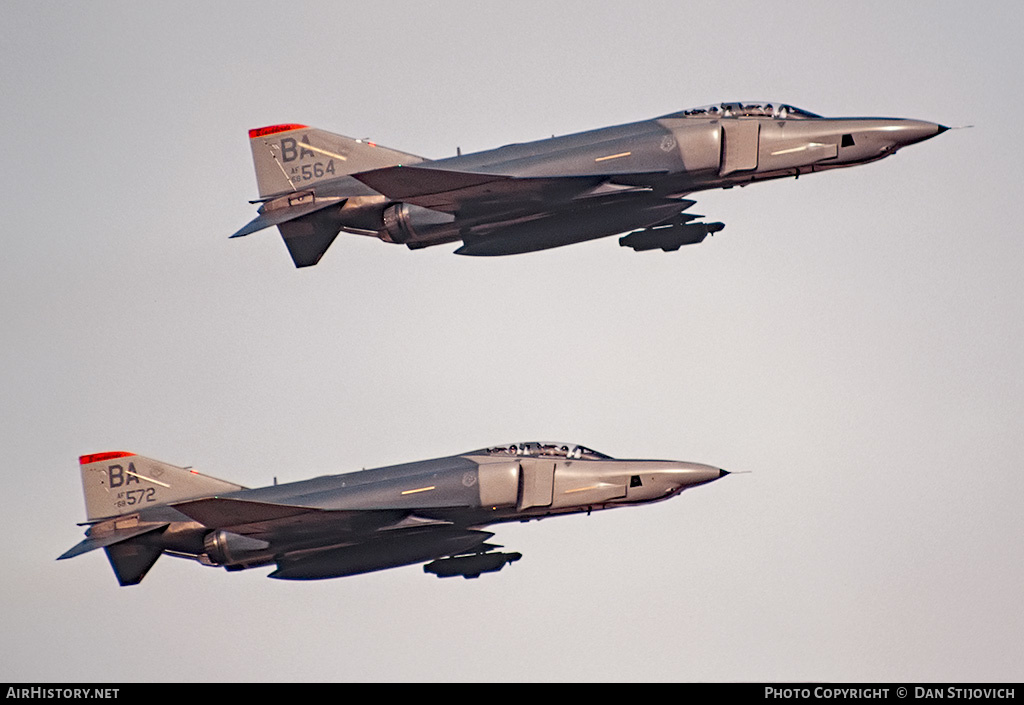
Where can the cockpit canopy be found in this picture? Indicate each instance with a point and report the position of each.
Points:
(779, 111)
(546, 450)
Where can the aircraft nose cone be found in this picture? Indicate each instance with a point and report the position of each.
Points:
(913, 131)
(684, 474)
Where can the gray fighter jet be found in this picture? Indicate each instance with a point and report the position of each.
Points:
(339, 525)
(553, 192)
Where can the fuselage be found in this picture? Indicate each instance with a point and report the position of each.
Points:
(552, 192)
(706, 148)
(639, 168)
(459, 494)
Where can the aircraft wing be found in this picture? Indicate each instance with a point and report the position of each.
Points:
(219, 512)
(262, 518)
(454, 191)
(366, 540)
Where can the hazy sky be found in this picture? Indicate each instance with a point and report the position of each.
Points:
(853, 338)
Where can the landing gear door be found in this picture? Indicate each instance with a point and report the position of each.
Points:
(536, 483)
(739, 145)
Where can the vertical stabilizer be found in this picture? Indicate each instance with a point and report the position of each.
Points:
(117, 483)
(291, 157)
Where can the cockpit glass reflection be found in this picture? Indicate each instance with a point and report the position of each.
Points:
(548, 450)
(779, 111)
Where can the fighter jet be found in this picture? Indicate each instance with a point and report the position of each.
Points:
(538, 195)
(431, 511)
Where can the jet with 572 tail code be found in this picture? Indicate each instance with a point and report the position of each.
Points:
(432, 511)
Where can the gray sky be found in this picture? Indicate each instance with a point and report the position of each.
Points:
(853, 338)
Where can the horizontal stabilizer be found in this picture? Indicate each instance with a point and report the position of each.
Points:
(275, 216)
(92, 542)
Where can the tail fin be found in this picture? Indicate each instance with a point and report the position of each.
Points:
(292, 157)
(119, 483)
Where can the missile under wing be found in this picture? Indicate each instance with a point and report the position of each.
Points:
(631, 178)
(434, 512)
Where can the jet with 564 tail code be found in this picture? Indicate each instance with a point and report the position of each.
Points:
(632, 179)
